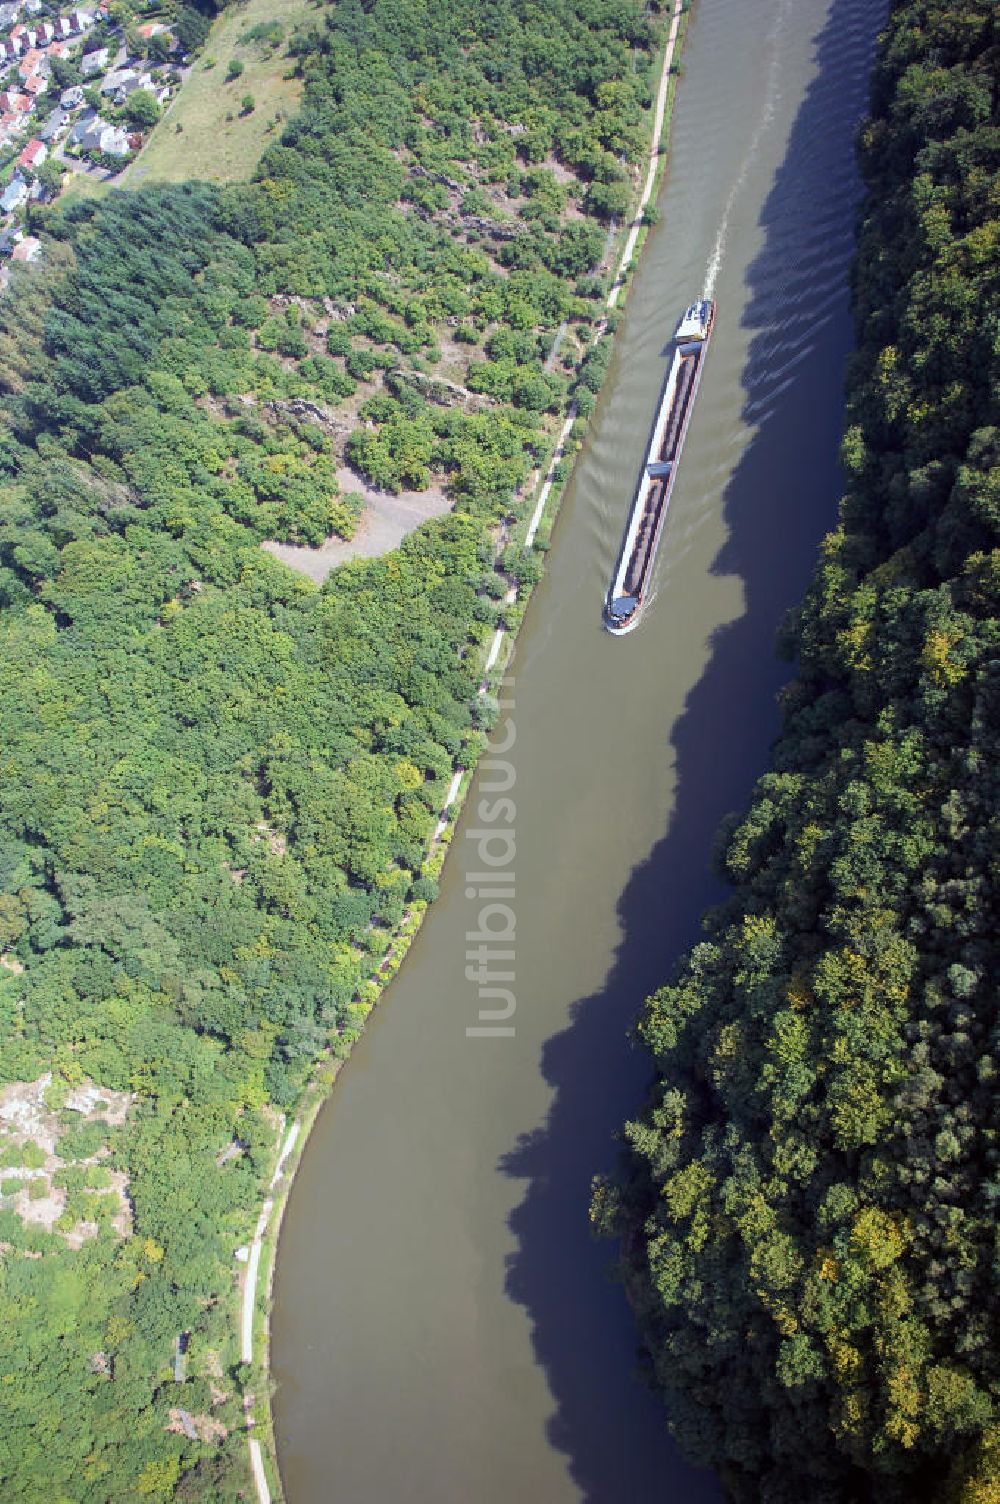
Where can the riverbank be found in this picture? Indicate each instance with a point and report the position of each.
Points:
(547, 484)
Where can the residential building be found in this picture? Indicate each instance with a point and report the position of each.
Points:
(94, 62)
(34, 61)
(28, 249)
(33, 155)
(91, 133)
(122, 82)
(14, 195)
(116, 80)
(54, 126)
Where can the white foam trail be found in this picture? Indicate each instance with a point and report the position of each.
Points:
(767, 115)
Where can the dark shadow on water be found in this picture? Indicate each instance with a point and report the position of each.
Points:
(780, 500)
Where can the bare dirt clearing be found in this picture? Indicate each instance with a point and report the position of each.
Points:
(384, 524)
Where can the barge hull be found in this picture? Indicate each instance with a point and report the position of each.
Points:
(633, 572)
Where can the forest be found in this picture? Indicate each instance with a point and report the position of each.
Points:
(807, 1207)
(218, 780)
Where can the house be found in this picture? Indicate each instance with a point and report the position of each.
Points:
(94, 62)
(91, 133)
(115, 141)
(34, 85)
(34, 61)
(57, 122)
(57, 49)
(14, 195)
(80, 20)
(18, 104)
(151, 29)
(33, 6)
(142, 82)
(33, 155)
(9, 14)
(28, 249)
(44, 32)
(12, 126)
(122, 82)
(63, 28)
(81, 125)
(69, 99)
(117, 79)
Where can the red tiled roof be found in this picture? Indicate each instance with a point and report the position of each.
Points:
(31, 153)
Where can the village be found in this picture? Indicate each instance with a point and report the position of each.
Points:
(78, 96)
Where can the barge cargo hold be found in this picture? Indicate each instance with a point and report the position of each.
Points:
(630, 584)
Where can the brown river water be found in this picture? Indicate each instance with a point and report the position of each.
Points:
(444, 1329)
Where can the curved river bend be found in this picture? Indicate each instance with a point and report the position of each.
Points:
(444, 1331)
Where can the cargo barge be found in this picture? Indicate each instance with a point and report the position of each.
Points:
(630, 584)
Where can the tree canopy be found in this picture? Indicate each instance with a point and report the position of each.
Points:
(219, 781)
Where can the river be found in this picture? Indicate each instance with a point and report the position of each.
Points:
(444, 1330)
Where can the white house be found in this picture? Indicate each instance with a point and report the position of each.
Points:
(14, 195)
(91, 133)
(94, 62)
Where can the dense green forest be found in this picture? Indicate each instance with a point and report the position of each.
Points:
(218, 780)
(809, 1205)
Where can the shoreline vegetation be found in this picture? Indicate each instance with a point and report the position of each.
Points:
(220, 778)
(806, 1210)
(267, 1477)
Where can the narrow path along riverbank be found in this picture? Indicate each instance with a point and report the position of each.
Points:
(249, 1299)
(624, 262)
(299, 1129)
